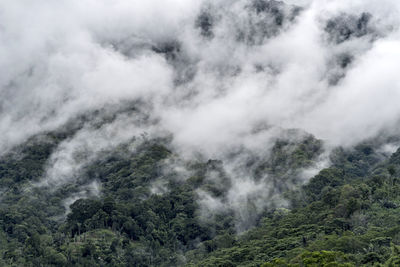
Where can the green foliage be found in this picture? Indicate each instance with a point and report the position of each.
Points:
(347, 215)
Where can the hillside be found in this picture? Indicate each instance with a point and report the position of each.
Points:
(149, 214)
(200, 133)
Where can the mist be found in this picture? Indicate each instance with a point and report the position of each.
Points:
(218, 76)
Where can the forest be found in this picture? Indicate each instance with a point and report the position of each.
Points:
(346, 215)
(199, 133)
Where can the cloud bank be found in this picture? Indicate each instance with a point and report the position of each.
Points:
(219, 76)
(211, 71)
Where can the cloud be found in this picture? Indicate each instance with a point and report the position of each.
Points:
(219, 76)
(69, 61)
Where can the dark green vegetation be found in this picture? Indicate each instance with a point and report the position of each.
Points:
(347, 215)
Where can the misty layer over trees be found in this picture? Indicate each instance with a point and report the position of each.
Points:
(199, 133)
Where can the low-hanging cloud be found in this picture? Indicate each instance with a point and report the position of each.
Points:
(219, 76)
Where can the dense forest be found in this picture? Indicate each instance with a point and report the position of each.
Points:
(346, 215)
(200, 133)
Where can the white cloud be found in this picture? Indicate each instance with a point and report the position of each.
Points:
(237, 88)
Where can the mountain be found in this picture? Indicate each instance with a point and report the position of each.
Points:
(199, 133)
(148, 212)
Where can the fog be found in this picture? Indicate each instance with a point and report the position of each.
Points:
(218, 76)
